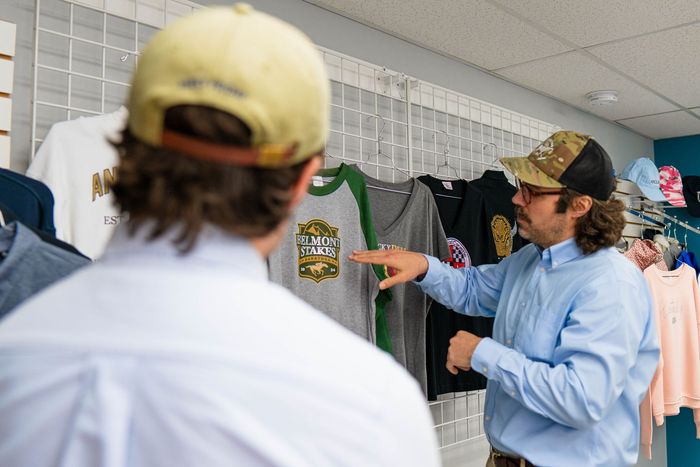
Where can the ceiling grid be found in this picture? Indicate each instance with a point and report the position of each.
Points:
(647, 51)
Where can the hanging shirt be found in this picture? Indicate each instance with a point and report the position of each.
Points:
(688, 257)
(407, 221)
(502, 229)
(152, 358)
(312, 260)
(9, 216)
(79, 165)
(676, 382)
(463, 217)
(28, 265)
(574, 348)
(30, 200)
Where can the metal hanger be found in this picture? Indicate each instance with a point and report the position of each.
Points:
(445, 154)
(494, 159)
(379, 153)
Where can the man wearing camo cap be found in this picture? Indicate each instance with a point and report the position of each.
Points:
(175, 350)
(574, 345)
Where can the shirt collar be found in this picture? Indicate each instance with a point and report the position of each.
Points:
(214, 248)
(561, 253)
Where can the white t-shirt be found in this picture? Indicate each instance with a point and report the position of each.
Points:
(152, 358)
(79, 165)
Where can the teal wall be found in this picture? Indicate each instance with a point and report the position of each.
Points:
(683, 449)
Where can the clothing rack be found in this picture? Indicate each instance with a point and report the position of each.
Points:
(685, 225)
(674, 219)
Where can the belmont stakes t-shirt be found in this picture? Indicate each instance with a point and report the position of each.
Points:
(312, 260)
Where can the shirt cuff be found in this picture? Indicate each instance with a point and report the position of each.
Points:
(486, 356)
(428, 278)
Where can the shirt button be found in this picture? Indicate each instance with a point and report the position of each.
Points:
(522, 304)
(541, 269)
(509, 342)
(512, 393)
(488, 417)
(485, 370)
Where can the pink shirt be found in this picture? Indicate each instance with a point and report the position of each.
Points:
(676, 382)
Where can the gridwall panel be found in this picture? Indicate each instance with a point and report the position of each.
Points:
(390, 124)
(85, 52)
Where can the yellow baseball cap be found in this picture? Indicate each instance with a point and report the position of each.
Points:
(243, 62)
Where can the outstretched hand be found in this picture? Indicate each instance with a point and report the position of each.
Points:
(407, 264)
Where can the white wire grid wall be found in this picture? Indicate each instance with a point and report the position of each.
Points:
(85, 52)
(392, 125)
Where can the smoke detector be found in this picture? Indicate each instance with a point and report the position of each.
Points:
(600, 98)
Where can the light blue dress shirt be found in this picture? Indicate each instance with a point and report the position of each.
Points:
(573, 351)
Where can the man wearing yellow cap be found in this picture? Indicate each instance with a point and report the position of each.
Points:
(574, 344)
(175, 349)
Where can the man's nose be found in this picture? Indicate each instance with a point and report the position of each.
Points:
(518, 198)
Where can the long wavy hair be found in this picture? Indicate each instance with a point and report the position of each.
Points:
(600, 227)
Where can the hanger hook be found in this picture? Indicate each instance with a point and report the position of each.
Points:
(495, 148)
(380, 131)
(446, 147)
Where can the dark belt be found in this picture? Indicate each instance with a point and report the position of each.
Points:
(501, 459)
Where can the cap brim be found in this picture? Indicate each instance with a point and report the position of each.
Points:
(522, 168)
(652, 192)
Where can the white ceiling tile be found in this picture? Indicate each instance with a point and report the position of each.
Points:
(571, 76)
(592, 22)
(668, 125)
(668, 62)
(477, 31)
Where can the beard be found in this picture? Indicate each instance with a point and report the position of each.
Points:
(537, 234)
(523, 221)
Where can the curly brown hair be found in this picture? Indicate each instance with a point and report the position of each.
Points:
(174, 190)
(600, 227)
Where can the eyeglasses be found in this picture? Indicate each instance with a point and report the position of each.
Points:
(529, 192)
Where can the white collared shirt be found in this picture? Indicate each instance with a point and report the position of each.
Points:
(153, 358)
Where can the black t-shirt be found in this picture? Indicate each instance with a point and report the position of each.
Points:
(463, 215)
(501, 228)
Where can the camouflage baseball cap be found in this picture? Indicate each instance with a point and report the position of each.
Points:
(566, 159)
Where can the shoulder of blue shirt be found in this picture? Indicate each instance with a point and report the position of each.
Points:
(10, 216)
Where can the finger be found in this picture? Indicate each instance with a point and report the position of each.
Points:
(369, 257)
(400, 278)
(465, 368)
(451, 368)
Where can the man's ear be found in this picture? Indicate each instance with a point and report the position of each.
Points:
(580, 206)
(302, 185)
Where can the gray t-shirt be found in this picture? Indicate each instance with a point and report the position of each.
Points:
(406, 218)
(30, 265)
(312, 260)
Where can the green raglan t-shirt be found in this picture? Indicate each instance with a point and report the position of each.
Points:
(312, 260)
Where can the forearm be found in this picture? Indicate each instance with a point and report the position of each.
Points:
(560, 393)
(462, 290)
